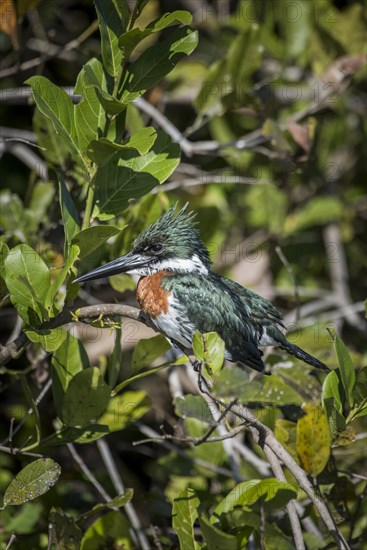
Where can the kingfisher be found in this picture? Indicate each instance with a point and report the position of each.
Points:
(179, 293)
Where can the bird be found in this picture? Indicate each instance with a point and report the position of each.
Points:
(179, 292)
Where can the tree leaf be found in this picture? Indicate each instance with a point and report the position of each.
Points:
(112, 25)
(86, 398)
(32, 481)
(215, 538)
(27, 278)
(116, 502)
(194, 406)
(130, 39)
(67, 361)
(124, 409)
(148, 350)
(54, 103)
(89, 433)
(112, 527)
(271, 491)
(65, 532)
(92, 238)
(131, 178)
(50, 339)
(69, 214)
(347, 372)
(90, 117)
(209, 348)
(114, 360)
(157, 61)
(313, 439)
(184, 515)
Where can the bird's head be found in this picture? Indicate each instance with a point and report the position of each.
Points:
(171, 243)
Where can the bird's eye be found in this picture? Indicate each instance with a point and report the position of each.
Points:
(156, 248)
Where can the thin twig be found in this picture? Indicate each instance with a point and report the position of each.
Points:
(73, 44)
(138, 533)
(291, 506)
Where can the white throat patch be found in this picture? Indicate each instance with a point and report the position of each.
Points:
(190, 265)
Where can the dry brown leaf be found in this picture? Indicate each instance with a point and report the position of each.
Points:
(8, 21)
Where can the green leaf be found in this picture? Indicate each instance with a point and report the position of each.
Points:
(215, 538)
(42, 195)
(331, 389)
(102, 150)
(129, 40)
(157, 61)
(4, 251)
(271, 491)
(111, 26)
(66, 362)
(27, 278)
(90, 117)
(184, 515)
(114, 360)
(90, 239)
(55, 151)
(109, 104)
(148, 350)
(360, 387)
(209, 349)
(347, 372)
(319, 211)
(54, 103)
(66, 533)
(86, 398)
(69, 214)
(124, 409)
(116, 502)
(179, 361)
(89, 433)
(112, 527)
(194, 406)
(313, 439)
(117, 183)
(61, 276)
(32, 481)
(50, 339)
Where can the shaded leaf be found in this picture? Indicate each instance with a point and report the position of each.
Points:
(184, 515)
(313, 439)
(65, 532)
(86, 398)
(69, 214)
(215, 538)
(209, 349)
(124, 409)
(157, 61)
(148, 350)
(27, 278)
(271, 492)
(129, 40)
(89, 433)
(347, 372)
(112, 19)
(113, 527)
(67, 361)
(114, 360)
(90, 118)
(53, 102)
(194, 406)
(92, 238)
(32, 481)
(50, 339)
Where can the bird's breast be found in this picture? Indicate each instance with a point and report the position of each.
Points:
(151, 297)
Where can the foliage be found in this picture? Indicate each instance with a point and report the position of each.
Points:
(264, 108)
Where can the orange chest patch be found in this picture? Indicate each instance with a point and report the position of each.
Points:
(150, 295)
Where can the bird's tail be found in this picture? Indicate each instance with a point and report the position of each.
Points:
(303, 355)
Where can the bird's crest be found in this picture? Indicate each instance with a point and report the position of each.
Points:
(178, 233)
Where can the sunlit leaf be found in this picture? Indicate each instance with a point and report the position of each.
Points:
(313, 439)
(185, 513)
(148, 350)
(32, 481)
(113, 527)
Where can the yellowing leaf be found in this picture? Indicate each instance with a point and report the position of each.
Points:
(8, 21)
(313, 439)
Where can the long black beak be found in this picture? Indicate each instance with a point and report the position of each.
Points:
(127, 263)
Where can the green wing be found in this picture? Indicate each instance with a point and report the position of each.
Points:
(211, 306)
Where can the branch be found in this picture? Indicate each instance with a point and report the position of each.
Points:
(265, 437)
(13, 349)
